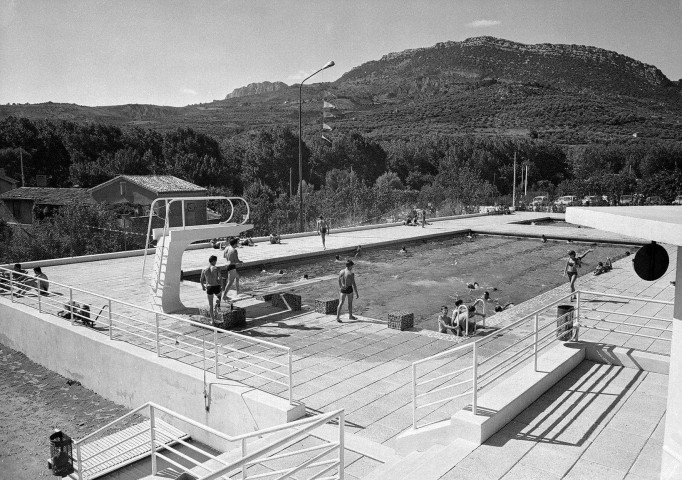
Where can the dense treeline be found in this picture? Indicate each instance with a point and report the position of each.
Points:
(354, 179)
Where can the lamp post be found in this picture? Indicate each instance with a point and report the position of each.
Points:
(300, 145)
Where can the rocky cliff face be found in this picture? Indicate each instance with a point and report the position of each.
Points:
(567, 67)
(256, 89)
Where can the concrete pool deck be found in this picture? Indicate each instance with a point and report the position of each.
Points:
(363, 366)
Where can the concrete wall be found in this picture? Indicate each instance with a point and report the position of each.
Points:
(131, 376)
(671, 466)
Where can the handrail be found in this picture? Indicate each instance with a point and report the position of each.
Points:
(536, 344)
(300, 428)
(114, 319)
(638, 299)
(249, 458)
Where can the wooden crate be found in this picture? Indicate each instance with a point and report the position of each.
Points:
(288, 301)
(327, 306)
(400, 320)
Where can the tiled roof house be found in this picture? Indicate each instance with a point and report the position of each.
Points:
(142, 190)
(25, 203)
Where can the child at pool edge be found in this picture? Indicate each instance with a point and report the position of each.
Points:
(444, 321)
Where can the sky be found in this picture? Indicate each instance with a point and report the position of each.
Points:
(172, 52)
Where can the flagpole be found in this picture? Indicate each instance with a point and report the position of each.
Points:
(514, 187)
(300, 144)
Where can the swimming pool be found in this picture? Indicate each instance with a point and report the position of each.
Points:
(436, 273)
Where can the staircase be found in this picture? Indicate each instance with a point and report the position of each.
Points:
(124, 447)
(429, 465)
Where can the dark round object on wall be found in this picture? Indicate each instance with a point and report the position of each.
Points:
(651, 262)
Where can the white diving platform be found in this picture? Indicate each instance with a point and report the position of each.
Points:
(171, 244)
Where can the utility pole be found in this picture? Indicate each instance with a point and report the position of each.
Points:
(21, 160)
(525, 188)
(514, 187)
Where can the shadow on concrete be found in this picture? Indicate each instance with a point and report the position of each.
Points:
(574, 381)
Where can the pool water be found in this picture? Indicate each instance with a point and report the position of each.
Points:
(437, 273)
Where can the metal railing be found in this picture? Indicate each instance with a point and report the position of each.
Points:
(458, 375)
(595, 314)
(212, 349)
(268, 445)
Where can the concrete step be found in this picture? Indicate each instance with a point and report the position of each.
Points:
(358, 444)
(429, 465)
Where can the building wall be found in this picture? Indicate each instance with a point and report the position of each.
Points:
(6, 186)
(22, 210)
(131, 376)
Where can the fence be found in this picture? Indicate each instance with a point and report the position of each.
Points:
(212, 349)
(445, 382)
(103, 451)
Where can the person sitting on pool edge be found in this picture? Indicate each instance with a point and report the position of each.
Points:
(444, 321)
(603, 267)
(275, 239)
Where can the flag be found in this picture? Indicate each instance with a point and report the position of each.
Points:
(326, 139)
(326, 127)
(326, 104)
(328, 114)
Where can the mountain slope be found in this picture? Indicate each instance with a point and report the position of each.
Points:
(482, 85)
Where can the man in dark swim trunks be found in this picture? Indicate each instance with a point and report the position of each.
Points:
(232, 258)
(346, 288)
(322, 230)
(211, 282)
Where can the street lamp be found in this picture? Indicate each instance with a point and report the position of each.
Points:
(300, 145)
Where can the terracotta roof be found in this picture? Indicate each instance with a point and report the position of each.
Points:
(49, 196)
(162, 183)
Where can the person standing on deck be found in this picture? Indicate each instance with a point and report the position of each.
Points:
(322, 230)
(211, 282)
(574, 261)
(232, 258)
(346, 288)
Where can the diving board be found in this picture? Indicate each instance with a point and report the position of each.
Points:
(171, 242)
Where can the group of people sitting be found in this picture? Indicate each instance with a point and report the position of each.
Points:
(458, 322)
(23, 282)
(275, 238)
(603, 267)
(413, 220)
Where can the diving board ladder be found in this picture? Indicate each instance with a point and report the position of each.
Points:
(173, 241)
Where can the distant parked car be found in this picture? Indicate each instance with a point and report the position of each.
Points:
(539, 201)
(566, 201)
(593, 201)
(654, 200)
(678, 200)
(626, 200)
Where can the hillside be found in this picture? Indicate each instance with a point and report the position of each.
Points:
(565, 93)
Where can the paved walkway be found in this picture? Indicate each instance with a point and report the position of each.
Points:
(599, 422)
(363, 366)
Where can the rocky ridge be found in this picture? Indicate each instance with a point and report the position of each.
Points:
(256, 89)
